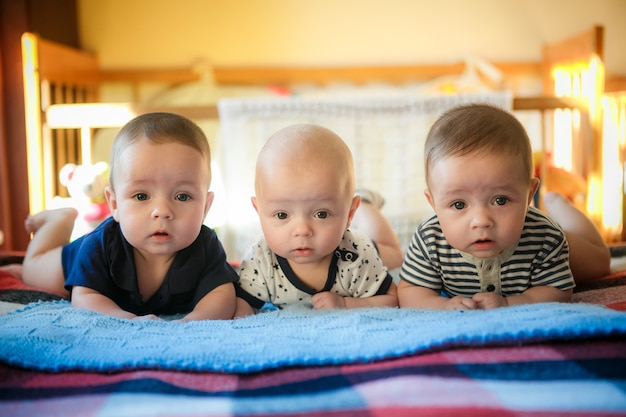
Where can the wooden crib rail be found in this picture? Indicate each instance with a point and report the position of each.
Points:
(53, 74)
(320, 75)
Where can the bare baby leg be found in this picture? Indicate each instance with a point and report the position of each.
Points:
(370, 221)
(42, 266)
(589, 254)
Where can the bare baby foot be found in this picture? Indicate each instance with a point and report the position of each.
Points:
(14, 269)
(34, 222)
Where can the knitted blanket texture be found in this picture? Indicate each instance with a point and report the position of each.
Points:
(53, 336)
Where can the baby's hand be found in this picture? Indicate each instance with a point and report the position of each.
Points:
(147, 317)
(327, 300)
(460, 303)
(489, 300)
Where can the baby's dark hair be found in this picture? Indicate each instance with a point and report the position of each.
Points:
(160, 127)
(477, 128)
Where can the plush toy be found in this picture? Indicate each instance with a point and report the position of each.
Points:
(86, 184)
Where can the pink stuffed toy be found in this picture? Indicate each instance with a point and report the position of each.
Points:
(86, 184)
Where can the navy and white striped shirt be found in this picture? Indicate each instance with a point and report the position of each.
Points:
(540, 258)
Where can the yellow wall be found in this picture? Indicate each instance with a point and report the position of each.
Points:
(166, 33)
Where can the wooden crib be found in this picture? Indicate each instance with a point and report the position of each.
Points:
(63, 110)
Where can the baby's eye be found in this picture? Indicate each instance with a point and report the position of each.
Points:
(500, 201)
(281, 216)
(183, 197)
(458, 205)
(140, 197)
(322, 214)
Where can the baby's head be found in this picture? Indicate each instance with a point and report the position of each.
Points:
(159, 128)
(159, 182)
(305, 192)
(302, 150)
(479, 172)
(477, 129)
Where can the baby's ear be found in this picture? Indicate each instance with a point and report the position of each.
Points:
(354, 205)
(109, 195)
(534, 187)
(253, 199)
(429, 198)
(210, 195)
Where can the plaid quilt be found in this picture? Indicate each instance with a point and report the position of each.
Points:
(564, 378)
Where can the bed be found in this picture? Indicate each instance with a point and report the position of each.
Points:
(547, 359)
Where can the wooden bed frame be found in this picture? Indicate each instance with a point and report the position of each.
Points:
(62, 107)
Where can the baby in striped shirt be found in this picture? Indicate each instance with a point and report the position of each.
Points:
(487, 246)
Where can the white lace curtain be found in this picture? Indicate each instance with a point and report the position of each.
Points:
(386, 137)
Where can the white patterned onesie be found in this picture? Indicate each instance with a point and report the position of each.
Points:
(355, 270)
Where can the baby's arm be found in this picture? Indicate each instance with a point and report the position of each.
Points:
(541, 294)
(414, 296)
(218, 304)
(83, 297)
(328, 300)
(489, 300)
(243, 309)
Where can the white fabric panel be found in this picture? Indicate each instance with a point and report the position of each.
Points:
(386, 137)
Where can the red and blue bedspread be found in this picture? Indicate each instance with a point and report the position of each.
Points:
(543, 364)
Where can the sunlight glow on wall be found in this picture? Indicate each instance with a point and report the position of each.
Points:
(606, 114)
(562, 156)
(614, 138)
(33, 121)
(563, 133)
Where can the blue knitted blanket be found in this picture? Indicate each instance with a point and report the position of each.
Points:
(52, 336)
